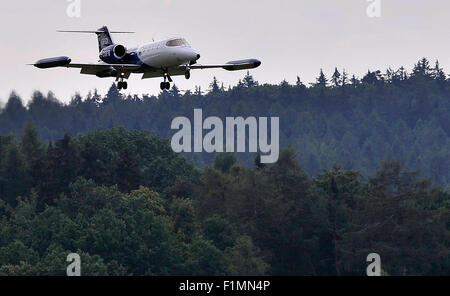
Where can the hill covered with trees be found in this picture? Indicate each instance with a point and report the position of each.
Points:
(357, 123)
(129, 205)
(364, 169)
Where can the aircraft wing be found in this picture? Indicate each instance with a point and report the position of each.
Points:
(91, 69)
(230, 66)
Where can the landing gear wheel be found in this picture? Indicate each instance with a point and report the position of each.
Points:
(124, 85)
(165, 85)
(120, 85)
(187, 75)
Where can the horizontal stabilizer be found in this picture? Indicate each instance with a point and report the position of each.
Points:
(95, 32)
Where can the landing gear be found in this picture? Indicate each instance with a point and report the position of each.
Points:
(187, 75)
(122, 85)
(166, 85)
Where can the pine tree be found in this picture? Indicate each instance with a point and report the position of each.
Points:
(113, 95)
(249, 81)
(174, 91)
(214, 86)
(198, 90)
(96, 98)
(355, 81)
(389, 75)
(14, 180)
(321, 80)
(422, 68)
(15, 110)
(336, 78)
(438, 73)
(344, 78)
(62, 166)
(372, 77)
(76, 100)
(33, 152)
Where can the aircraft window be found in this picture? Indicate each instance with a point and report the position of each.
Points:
(177, 42)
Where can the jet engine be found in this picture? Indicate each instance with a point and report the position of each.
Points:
(113, 54)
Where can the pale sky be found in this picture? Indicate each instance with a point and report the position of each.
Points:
(290, 37)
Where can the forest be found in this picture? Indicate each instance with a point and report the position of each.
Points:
(357, 123)
(363, 169)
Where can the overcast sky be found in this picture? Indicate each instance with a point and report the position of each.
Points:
(290, 37)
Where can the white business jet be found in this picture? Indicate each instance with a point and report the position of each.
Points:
(167, 58)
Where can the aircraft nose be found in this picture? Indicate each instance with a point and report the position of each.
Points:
(190, 55)
(195, 55)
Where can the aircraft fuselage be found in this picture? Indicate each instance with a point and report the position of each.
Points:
(162, 54)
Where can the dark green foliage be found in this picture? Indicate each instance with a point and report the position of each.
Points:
(234, 221)
(219, 231)
(244, 258)
(14, 180)
(129, 205)
(357, 123)
(224, 161)
(130, 159)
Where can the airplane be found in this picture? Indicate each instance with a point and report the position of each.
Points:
(166, 58)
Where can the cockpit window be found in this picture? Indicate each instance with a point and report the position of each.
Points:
(177, 42)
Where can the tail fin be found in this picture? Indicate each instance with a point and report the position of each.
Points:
(103, 34)
(104, 38)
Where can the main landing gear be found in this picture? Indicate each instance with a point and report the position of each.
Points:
(166, 85)
(121, 84)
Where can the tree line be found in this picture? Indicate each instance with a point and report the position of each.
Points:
(356, 122)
